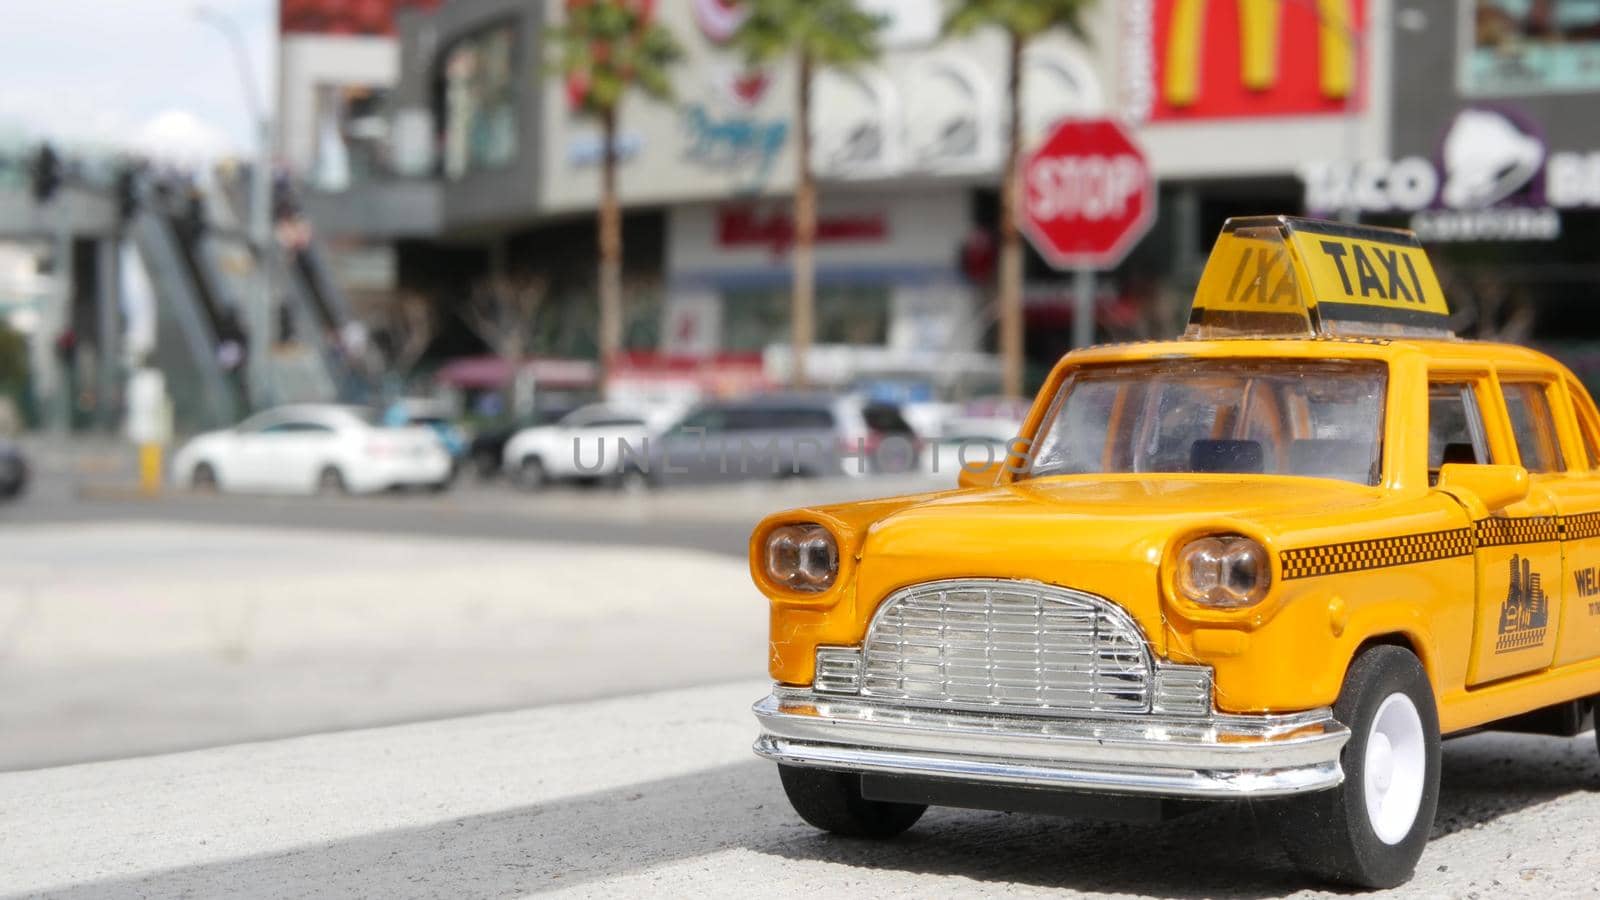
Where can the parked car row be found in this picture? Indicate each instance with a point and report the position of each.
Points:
(320, 448)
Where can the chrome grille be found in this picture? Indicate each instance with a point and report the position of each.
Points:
(986, 643)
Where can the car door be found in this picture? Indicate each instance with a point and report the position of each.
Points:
(561, 448)
(246, 465)
(291, 454)
(595, 449)
(690, 451)
(1577, 495)
(1517, 549)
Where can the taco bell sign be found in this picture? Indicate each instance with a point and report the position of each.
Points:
(1492, 179)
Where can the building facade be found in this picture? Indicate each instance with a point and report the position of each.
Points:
(1496, 165)
(490, 170)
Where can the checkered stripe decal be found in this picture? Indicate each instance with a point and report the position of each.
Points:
(1354, 556)
(1497, 532)
(1580, 526)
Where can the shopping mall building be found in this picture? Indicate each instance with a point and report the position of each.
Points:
(445, 155)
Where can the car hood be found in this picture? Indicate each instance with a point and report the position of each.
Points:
(1107, 535)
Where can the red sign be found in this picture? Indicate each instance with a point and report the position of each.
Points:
(1240, 58)
(743, 226)
(344, 17)
(1087, 195)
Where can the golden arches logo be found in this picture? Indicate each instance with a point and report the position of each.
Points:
(1260, 33)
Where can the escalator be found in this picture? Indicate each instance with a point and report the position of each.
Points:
(218, 300)
(204, 394)
(316, 323)
(306, 365)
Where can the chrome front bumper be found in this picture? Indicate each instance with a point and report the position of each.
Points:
(1210, 757)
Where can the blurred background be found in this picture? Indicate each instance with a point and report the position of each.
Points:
(426, 262)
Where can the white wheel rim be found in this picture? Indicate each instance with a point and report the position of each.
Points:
(1393, 772)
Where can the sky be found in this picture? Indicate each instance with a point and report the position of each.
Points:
(141, 74)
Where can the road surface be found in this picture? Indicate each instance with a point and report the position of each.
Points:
(142, 636)
(658, 795)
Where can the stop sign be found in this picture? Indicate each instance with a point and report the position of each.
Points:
(1087, 195)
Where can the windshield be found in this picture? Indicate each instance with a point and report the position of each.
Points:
(1276, 417)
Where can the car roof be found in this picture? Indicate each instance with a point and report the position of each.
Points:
(1445, 349)
(780, 401)
(315, 411)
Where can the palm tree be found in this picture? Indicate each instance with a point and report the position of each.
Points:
(603, 49)
(818, 33)
(1022, 21)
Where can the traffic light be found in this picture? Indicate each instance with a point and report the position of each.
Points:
(127, 193)
(46, 174)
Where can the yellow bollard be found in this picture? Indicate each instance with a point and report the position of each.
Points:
(150, 468)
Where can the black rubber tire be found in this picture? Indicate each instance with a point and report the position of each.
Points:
(203, 478)
(486, 466)
(330, 482)
(634, 481)
(1327, 834)
(531, 474)
(832, 801)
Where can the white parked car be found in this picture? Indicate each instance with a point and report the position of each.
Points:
(309, 448)
(585, 444)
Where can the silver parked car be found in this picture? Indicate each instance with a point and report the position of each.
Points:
(776, 436)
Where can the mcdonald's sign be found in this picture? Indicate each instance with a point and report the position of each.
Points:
(1214, 59)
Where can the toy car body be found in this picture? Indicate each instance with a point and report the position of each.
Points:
(1275, 560)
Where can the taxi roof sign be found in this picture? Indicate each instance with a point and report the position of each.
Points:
(1286, 276)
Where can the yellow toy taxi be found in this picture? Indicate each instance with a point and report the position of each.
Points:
(1275, 560)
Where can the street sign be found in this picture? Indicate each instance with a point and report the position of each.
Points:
(1087, 195)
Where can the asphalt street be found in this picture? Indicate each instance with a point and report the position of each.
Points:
(100, 487)
(658, 795)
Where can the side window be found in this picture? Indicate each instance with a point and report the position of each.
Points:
(1588, 428)
(297, 428)
(750, 419)
(710, 419)
(1528, 405)
(258, 423)
(1455, 428)
(1076, 440)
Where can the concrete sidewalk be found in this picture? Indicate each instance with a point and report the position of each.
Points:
(658, 795)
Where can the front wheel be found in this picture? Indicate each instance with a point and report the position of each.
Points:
(635, 482)
(330, 482)
(832, 801)
(203, 478)
(1370, 831)
(531, 474)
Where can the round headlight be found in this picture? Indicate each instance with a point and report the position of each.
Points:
(1227, 571)
(802, 557)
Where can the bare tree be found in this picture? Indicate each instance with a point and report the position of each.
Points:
(502, 311)
(408, 329)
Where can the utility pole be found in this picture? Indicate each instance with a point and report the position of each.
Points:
(259, 316)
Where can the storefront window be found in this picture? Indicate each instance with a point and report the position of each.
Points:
(352, 134)
(1524, 46)
(479, 99)
(846, 314)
